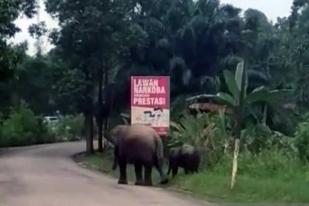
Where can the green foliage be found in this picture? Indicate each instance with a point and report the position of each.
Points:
(23, 128)
(206, 132)
(239, 99)
(302, 140)
(178, 106)
(270, 163)
(69, 88)
(87, 59)
(213, 186)
(192, 130)
(270, 176)
(31, 75)
(35, 75)
(257, 138)
(69, 128)
(9, 12)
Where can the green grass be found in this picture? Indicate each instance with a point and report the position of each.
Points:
(248, 189)
(104, 162)
(281, 187)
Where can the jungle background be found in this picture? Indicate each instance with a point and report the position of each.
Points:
(220, 62)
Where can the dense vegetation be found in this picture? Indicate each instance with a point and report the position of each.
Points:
(100, 43)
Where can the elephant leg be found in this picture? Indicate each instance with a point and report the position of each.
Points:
(164, 179)
(138, 174)
(148, 180)
(123, 172)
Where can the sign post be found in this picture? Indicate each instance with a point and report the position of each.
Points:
(150, 102)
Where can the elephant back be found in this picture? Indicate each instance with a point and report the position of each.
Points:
(141, 141)
(118, 132)
(143, 131)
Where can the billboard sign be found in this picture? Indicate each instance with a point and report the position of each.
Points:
(150, 102)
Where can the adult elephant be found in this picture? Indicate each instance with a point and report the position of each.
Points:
(186, 157)
(139, 145)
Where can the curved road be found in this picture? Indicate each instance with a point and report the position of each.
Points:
(47, 176)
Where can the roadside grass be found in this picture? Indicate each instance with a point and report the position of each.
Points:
(103, 162)
(214, 185)
(248, 189)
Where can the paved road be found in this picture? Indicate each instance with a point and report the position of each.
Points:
(47, 176)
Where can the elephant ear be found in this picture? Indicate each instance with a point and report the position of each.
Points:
(117, 131)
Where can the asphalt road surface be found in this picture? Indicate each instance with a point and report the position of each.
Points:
(47, 176)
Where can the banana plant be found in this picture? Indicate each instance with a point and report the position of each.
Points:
(238, 99)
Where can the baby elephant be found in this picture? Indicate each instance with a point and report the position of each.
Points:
(186, 157)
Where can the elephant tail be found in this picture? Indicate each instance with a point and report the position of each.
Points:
(159, 160)
(169, 168)
(159, 153)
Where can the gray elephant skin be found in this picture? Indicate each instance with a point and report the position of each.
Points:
(141, 146)
(186, 157)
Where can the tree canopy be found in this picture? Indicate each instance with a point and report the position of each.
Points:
(100, 44)
(10, 10)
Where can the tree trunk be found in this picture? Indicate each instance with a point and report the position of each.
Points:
(107, 103)
(236, 148)
(235, 162)
(265, 110)
(88, 108)
(99, 111)
(105, 129)
(100, 139)
(89, 132)
(226, 146)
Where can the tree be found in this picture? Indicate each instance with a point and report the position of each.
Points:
(184, 39)
(239, 100)
(9, 84)
(9, 12)
(37, 31)
(90, 39)
(38, 75)
(298, 52)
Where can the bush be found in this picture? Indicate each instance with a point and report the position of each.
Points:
(269, 163)
(257, 138)
(69, 128)
(206, 132)
(302, 140)
(23, 128)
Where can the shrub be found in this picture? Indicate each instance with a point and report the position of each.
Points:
(23, 128)
(257, 138)
(267, 163)
(302, 140)
(207, 132)
(69, 128)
